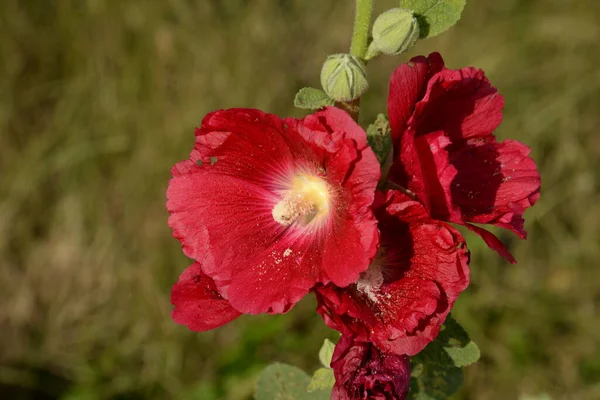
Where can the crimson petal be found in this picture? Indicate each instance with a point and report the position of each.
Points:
(363, 372)
(223, 199)
(401, 301)
(406, 87)
(462, 103)
(449, 158)
(197, 302)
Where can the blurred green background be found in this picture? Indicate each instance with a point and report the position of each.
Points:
(98, 98)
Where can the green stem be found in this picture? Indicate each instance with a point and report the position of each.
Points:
(362, 23)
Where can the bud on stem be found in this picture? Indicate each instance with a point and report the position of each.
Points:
(344, 77)
(395, 31)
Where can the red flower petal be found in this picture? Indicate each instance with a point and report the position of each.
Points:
(363, 372)
(493, 242)
(477, 181)
(401, 301)
(461, 103)
(406, 87)
(285, 205)
(429, 172)
(197, 302)
(495, 183)
(452, 163)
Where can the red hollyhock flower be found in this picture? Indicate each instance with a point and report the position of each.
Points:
(401, 301)
(442, 122)
(271, 206)
(364, 372)
(197, 302)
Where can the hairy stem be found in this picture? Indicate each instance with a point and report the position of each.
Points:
(360, 43)
(360, 33)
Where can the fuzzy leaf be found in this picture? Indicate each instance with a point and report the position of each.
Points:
(463, 356)
(435, 16)
(326, 353)
(431, 381)
(322, 379)
(436, 371)
(457, 344)
(286, 382)
(312, 99)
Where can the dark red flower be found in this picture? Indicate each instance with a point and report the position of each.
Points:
(442, 122)
(401, 301)
(271, 206)
(197, 302)
(363, 372)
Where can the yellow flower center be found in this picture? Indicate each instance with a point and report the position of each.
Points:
(307, 200)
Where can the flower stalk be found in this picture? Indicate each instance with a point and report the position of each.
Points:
(359, 46)
(362, 23)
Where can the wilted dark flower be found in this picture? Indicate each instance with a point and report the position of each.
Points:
(363, 372)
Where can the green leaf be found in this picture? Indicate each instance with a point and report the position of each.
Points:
(286, 382)
(431, 381)
(435, 16)
(464, 356)
(322, 379)
(436, 371)
(312, 99)
(326, 353)
(379, 138)
(457, 344)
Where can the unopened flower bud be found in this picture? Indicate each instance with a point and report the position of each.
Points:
(344, 77)
(395, 31)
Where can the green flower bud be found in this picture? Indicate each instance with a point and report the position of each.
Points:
(395, 31)
(344, 77)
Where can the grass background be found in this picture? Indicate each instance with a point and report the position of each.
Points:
(98, 98)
